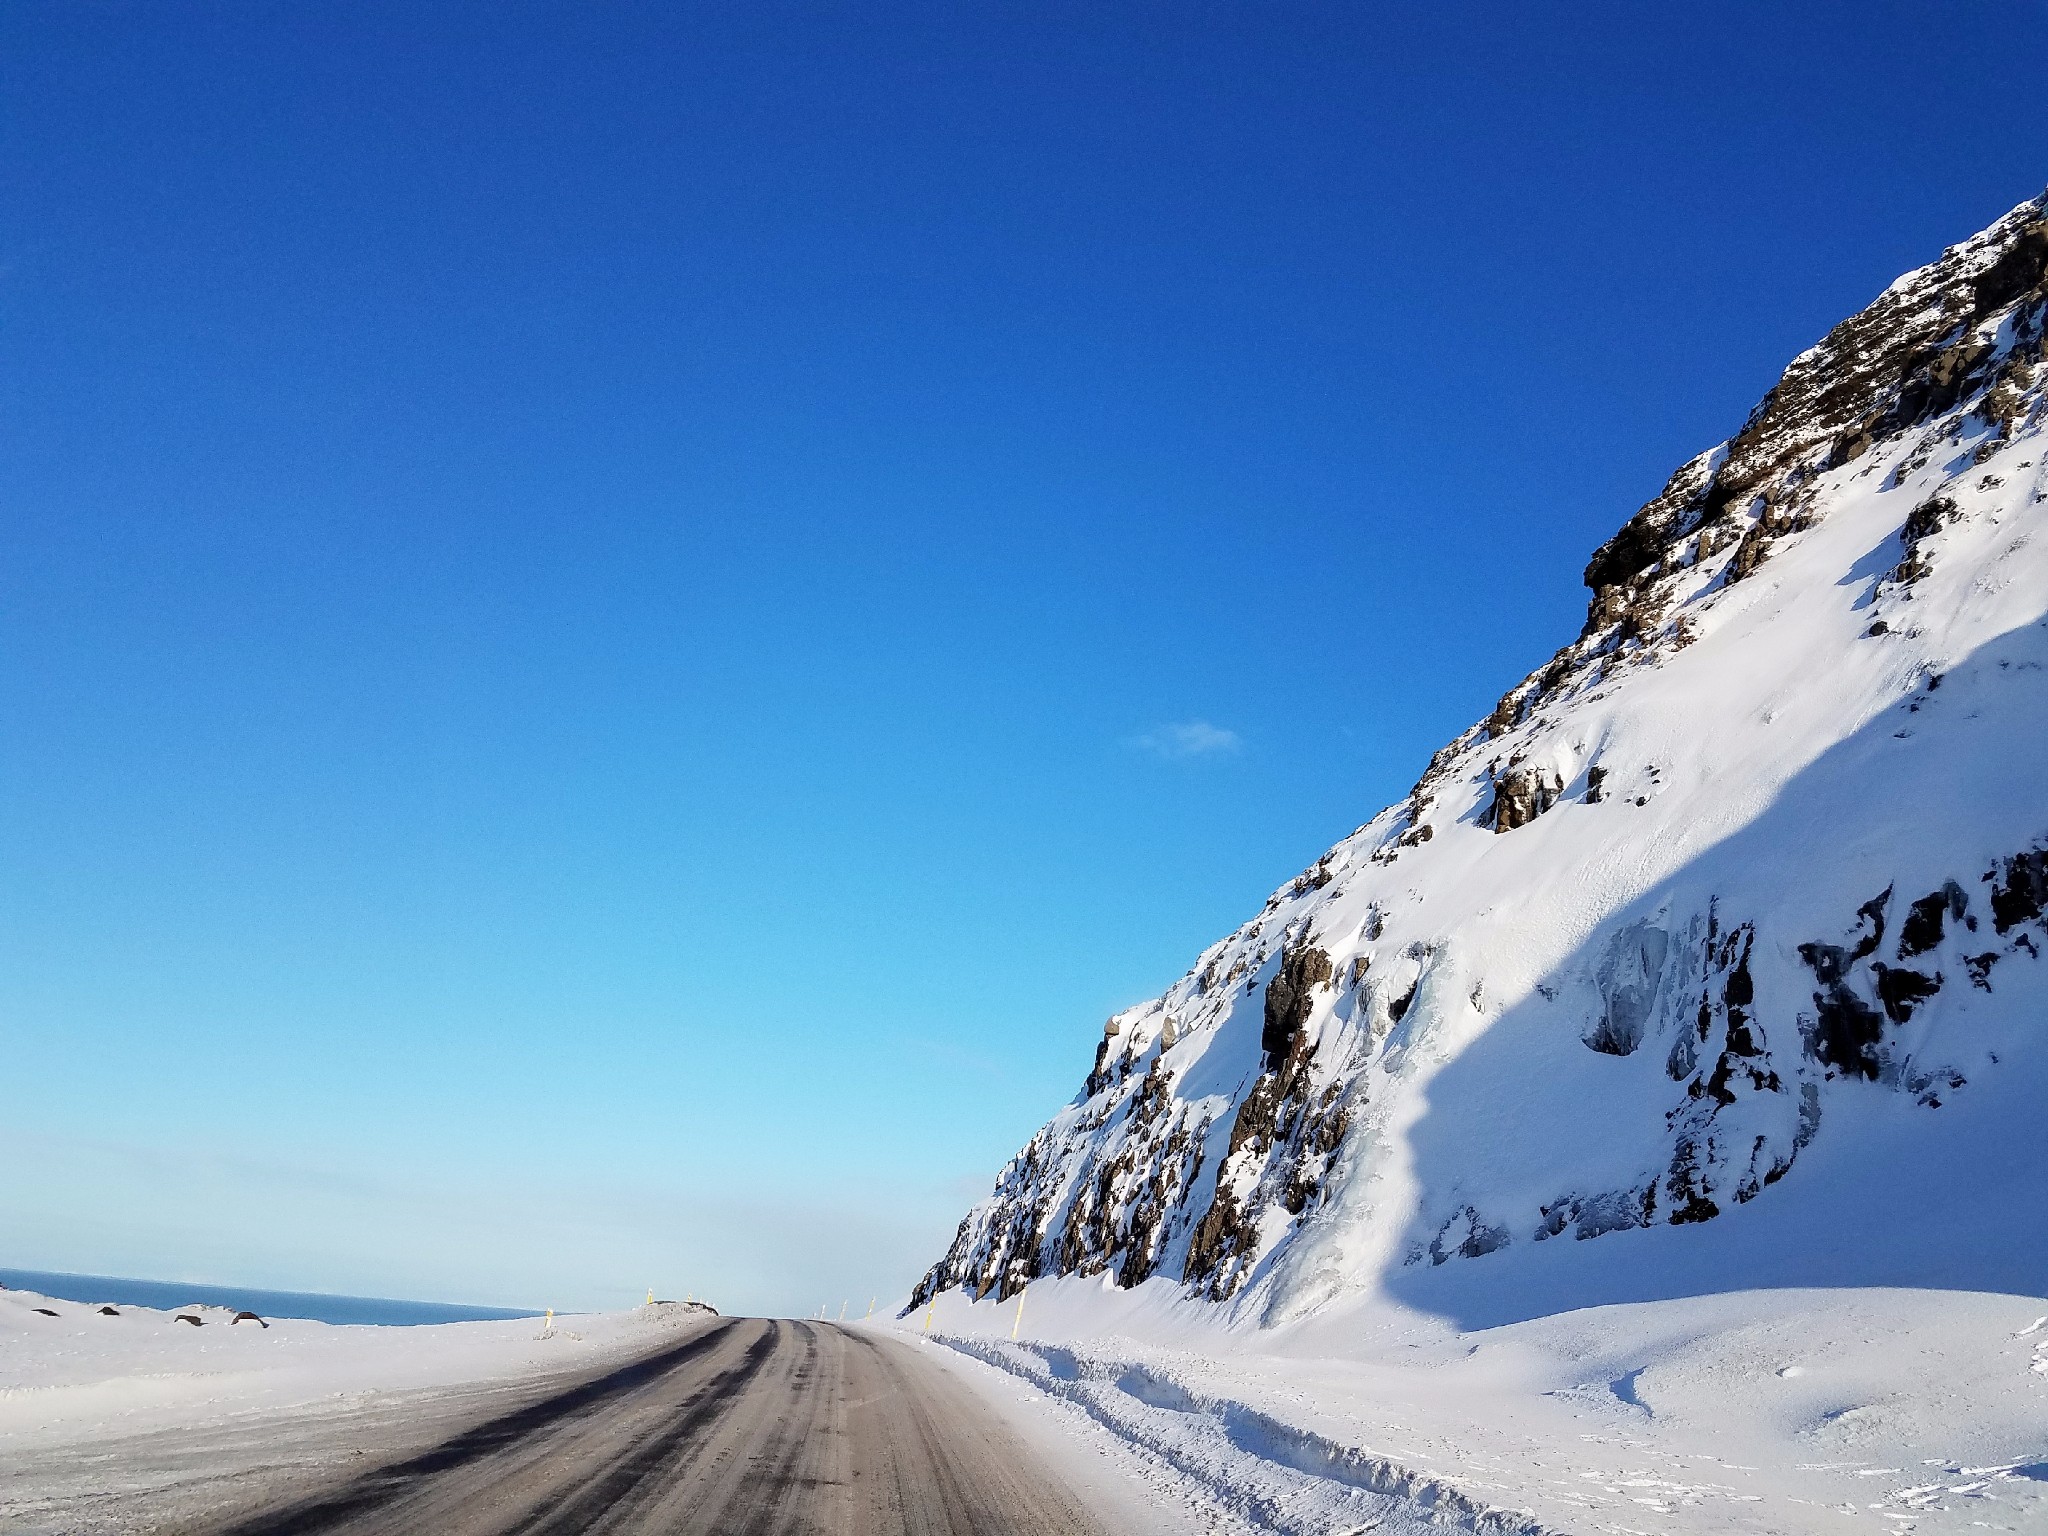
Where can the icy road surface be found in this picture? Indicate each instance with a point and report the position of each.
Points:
(748, 1426)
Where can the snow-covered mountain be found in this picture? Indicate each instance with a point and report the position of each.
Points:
(1757, 862)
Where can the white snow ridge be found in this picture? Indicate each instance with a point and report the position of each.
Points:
(1709, 963)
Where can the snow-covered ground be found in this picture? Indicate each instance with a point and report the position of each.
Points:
(121, 1422)
(1753, 1412)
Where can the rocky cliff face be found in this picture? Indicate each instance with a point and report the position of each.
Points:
(1765, 845)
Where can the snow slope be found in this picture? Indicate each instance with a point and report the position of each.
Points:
(1740, 894)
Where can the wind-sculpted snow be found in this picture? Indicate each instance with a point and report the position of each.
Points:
(1766, 844)
(1275, 1476)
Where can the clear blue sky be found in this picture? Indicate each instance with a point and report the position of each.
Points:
(622, 624)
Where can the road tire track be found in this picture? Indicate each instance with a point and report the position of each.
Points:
(749, 1428)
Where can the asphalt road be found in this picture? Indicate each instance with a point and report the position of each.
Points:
(747, 1428)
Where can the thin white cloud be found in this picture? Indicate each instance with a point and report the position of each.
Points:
(1189, 738)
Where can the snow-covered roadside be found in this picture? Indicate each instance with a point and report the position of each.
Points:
(106, 1418)
(1753, 1412)
(1775, 1411)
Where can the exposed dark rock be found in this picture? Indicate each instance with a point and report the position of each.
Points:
(1273, 1126)
(1638, 545)
(1643, 615)
(46, 1312)
(1006, 1252)
(1398, 1008)
(1321, 1135)
(1763, 1171)
(1314, 878)
(250, 1317)
(1901, 991)
(1924, 922)
(1220, 1232)
(187, 1317)
(108, 1312)
(1907, 357)
(1596, 776)
(2017, 271)
(1703, 1165)
(1846, 1028)
(1871, 912)
(1289, 997)
(1743, 1060)
(1923, 522)
(1596, 1215)
(1257, 1116)
(1753, 549)
(1121, 1205)
(1685, 1186)
(2020, 896)
(1520, 795)
(1740, 990)
(1227, 1228)
(1467, 1235)
(1097, 1079)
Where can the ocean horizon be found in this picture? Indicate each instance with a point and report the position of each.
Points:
(313, 1306)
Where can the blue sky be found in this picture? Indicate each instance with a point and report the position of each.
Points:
(623, 624)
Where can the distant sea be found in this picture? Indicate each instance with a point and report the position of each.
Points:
(307, 1304)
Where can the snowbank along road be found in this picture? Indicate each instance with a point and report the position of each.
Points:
(747, 1427)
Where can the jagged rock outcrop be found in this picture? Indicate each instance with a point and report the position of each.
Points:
(1289, 997)
(1780, 840)
(1520, 795)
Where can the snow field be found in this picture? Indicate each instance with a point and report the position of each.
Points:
(1740, 1414)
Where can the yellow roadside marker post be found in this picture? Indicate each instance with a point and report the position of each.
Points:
(928, 1311)
(871, 1305)
(650, 1295)
(548, 1327)
(1018, 1321)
